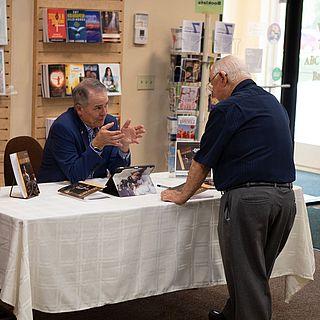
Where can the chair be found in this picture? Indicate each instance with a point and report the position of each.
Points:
(17, 144)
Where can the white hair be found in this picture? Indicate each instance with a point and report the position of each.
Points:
(234, 67)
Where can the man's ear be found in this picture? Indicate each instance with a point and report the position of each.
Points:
(224, 77)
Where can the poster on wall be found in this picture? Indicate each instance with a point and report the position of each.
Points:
(253, 59)
(2, 73)
(3, 23)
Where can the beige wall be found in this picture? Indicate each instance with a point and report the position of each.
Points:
(21, 67)
(151, 107)
(147, 107)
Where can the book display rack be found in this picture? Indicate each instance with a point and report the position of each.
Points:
(65, 53)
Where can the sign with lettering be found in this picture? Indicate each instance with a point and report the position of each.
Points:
(209, 6)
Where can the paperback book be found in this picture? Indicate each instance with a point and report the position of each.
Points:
(110, 26)
(54, 25)
(191, 70)
(110, 77)
(76, 24)
(74, 74)
(185, 151)
(24, 174)
(91, 71)
(79, 190)
(189, 97)
(93, 26)
(57, 80)
(187, 126)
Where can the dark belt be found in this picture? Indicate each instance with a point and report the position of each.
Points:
(261, 184)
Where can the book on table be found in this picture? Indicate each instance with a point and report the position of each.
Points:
(79, 190)
(24, 175)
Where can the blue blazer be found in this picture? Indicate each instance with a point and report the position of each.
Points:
(67, 155)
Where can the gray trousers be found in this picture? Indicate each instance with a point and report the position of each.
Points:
(254, 224)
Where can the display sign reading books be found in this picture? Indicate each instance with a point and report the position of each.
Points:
(131, 181)
(24, 175)
(209, 6)
(58, 80)
(80, 25)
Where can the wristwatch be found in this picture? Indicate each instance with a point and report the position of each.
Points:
(96, 149)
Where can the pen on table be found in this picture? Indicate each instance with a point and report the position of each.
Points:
(162, 186)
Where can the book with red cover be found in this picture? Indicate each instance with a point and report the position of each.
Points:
(56, 24)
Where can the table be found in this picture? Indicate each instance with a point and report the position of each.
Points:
(60, 254)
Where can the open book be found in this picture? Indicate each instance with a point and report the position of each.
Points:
(24, 174)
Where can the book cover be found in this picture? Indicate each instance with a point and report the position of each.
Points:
(187, 126)
(91, 71)
(110, 26)
(191, 70)
(76, 24)
(57, 81)
(93, 26)
(56, 25)
(189, 97)
(24, 174)
(74, 74)
(110, 77)
(79, 190)
(185, 151)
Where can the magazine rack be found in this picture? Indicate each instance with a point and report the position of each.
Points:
(130, 181)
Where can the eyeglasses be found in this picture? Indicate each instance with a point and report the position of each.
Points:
(209, 86)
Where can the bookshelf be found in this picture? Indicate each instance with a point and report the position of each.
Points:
(60, 53)
(5, 100)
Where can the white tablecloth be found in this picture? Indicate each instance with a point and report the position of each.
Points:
(62, 254)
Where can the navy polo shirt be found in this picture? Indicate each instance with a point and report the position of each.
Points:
(247, 139)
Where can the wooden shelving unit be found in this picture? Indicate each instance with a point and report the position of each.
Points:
(51, 53)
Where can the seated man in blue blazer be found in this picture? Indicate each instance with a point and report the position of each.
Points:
(85, 142)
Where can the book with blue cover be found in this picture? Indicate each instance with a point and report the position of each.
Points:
(93, 26)
(76, 26)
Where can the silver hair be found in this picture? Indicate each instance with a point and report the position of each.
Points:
(80, 93)
(234, 67)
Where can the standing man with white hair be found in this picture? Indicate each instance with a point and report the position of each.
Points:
(247, 143)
